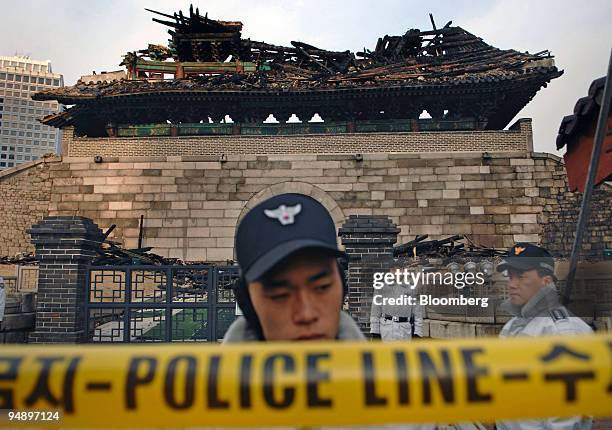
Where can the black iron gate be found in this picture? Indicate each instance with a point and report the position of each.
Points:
(143, 303)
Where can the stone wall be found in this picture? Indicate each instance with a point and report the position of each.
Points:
(192, 204)
(562, 217)
(25, 193)
(517, 138)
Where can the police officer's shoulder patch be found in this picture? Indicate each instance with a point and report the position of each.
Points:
(558, 314)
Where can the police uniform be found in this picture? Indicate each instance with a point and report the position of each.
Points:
(392, 322)
(269, 233)
(542, 315)
(266, 235)
(2, 298)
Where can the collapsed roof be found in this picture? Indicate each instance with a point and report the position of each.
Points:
(214, 71)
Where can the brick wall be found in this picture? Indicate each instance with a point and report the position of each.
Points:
(517, 138)
(368, 242)
(25, 192)
(64, 248)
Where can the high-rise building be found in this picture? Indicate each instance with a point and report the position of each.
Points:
(22, 137)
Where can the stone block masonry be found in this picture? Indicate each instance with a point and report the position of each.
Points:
(25, 193)
(561, 218)
(191, 203)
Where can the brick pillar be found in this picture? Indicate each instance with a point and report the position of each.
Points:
(64, 248)
(368, 241)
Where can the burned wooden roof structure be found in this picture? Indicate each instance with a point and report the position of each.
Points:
(208, 71)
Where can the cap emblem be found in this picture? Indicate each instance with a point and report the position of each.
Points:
(518, 250)
(284, 214)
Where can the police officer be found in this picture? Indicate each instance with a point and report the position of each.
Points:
(292, 287)
(393, 321)
(534, 303)
(2, 299)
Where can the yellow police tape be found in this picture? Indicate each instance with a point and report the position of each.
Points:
(308, 384)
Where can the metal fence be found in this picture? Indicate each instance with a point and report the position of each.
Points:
(27, 277)
(139, 303)
(10, 285)
(24, 280)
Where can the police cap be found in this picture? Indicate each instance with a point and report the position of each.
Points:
(279, 227)
(525, 256)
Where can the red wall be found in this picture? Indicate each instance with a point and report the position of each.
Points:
(578, 156)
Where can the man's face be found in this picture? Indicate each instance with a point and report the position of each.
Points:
(522, 286)
(301, 300)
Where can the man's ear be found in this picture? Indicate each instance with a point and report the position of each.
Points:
(548, 279)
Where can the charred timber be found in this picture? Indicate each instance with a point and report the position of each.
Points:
(447, 71)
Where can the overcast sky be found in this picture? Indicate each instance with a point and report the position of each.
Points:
(80, 36)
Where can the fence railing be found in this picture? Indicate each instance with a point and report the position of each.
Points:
(25, 280)
(144, 303)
